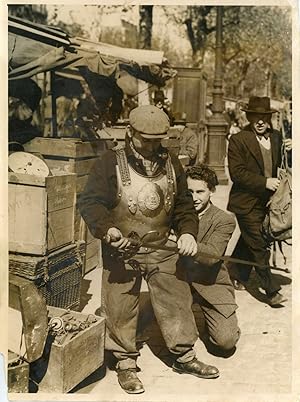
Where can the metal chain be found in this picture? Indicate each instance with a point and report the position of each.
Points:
(123, 165)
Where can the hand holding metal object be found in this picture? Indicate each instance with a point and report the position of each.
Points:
(116, 239)
(154, 246)
(113, 234)
(136, 242)
(187, 245)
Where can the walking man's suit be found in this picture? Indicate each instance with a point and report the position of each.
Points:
(254, 154)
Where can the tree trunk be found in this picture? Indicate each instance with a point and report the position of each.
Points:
(198, 58)
(145, 27)
(241, 81)
(268, 80)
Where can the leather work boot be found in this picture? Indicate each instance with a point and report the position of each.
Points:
(130, 382)
(276, 299)
(196, 368)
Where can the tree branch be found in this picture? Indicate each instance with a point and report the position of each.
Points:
(190, 32)
(228, 60)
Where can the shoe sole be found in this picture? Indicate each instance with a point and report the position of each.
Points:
(240, 288)
(237, 285)
(134, 392)
(139, 391)
(278, 304)
(208, 377)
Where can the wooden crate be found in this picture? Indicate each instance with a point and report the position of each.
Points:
(17, 374)
(66, 147)
(68, 165)
(41, 212)
(74, 360)
(70, 155)
(79, 224)
(93, 257)
(93, 252)
(56, 275)
(80, 184)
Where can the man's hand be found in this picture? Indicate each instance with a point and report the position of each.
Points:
(115, 238)
(187, 245)
(272, 183)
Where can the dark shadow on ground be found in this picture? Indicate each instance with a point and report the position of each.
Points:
(90, 382)
(84, 295)
(38, 368)
(253, 286)
(282, 279)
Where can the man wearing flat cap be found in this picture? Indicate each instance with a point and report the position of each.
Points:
(140, 187)
(254, 154)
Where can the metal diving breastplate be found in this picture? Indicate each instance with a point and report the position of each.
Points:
(145, 203)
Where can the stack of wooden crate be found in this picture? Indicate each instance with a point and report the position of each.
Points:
(41, 239)
(72, 155)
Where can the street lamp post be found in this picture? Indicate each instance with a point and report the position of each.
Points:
(217, 125)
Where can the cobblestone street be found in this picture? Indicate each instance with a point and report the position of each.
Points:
(261, 365)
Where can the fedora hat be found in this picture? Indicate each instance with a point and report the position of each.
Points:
(259, 105)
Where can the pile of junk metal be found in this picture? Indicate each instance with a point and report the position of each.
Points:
(51, 151)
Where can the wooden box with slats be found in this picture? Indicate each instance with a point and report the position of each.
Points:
(73, 360)
(41, 212)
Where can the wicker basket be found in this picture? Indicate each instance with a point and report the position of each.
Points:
(57, 275)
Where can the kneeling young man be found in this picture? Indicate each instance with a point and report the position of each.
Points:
(208, 277)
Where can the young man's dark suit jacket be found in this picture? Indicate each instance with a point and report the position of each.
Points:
(246, 169)
(209, 276)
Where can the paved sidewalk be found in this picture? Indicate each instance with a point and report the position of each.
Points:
(262, 363)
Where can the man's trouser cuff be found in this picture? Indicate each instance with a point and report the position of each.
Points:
(126, 364)
(187, 357)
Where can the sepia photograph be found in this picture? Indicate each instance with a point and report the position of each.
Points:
(149, 158)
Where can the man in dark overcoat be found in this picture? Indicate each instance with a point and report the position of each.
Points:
(254, 155)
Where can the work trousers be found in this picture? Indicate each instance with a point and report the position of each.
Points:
(170, 297)
(223, 330)
(252, 246)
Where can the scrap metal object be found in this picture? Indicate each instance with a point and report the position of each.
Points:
(67, 326)
(24, 297)
(138, 242)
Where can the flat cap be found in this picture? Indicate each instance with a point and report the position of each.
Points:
(150, 121)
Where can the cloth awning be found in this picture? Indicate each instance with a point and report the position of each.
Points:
(34, 49)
